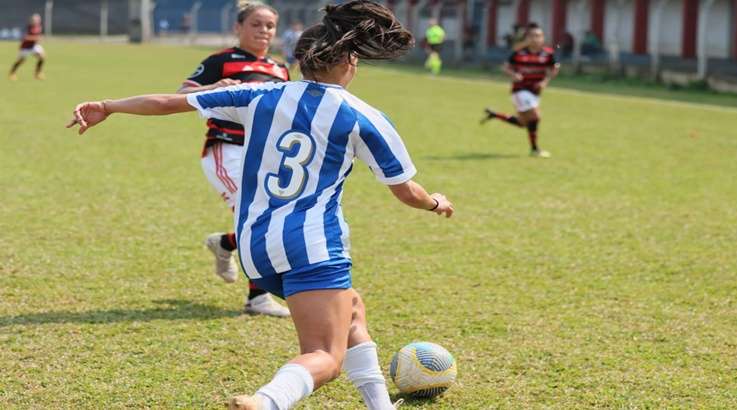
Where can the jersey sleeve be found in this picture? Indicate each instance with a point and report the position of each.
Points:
(380, 146)
(223, 103)
(208, 72)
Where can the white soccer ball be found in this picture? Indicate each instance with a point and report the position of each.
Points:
(423, 369)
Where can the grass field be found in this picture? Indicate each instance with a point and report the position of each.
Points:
(605, 277)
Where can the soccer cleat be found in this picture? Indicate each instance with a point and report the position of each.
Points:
(265, 305)
(12, 77)
(244, 402)
(490, 115)
(538, 153)
(225, 265)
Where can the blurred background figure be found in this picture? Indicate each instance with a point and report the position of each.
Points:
(30, 46)
(289, 41)
(185, 24)
(591, 45)
(567, 44)
(163, 27)
(434, 38)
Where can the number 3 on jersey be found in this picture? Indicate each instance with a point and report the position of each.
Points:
(294, 160)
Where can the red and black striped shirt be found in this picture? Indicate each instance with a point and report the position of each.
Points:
(237, 64)
(31, 37)
(533, 67)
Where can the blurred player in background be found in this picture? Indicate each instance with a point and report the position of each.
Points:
(30, 46)
(434, 38)
(221, 155)
(531, 68)
(289, 42)
(294, 240)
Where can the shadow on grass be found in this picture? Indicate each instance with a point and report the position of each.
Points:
(471, 156)
(410, 401)
(170, 309)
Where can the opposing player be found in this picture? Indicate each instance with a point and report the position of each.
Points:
(30, 46)
(531, 69)
(221, 155)
(293, 241)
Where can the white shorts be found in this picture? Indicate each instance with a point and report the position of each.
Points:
(222, 167)
(36, 50)
(525, 101)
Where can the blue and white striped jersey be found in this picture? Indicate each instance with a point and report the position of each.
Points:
(301, 139)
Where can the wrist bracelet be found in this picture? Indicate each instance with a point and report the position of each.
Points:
(437, 204)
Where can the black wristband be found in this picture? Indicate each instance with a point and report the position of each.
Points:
(437, 204)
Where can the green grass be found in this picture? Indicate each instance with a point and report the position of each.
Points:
(602, 83)
(603, 278)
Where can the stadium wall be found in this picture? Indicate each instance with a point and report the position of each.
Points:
(68, 16)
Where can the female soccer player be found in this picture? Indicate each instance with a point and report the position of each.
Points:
(531, 69)
(30, 46)
(293, 240)
(247, 63)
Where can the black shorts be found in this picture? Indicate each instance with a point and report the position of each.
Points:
(435, 47)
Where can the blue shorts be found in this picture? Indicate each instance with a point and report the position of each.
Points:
(318, 276)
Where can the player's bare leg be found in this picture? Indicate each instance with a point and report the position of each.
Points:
(531, 120)
(361, 363)
(489, 114)
(39, 67)
(323, 321)
(12, 76)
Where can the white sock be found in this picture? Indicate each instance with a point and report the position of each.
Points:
(361, 364)
(290, 384)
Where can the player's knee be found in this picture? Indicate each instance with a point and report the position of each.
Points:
(331, 363)
(532, 125)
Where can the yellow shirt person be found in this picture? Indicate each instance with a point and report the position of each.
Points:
(434, 37)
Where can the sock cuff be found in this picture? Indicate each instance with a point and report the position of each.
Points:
(361, 347)
(302, 372)
(291, 383)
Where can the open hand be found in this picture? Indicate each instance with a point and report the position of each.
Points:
(444, 205)
(88, 114)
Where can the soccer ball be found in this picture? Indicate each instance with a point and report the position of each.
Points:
(423, 369)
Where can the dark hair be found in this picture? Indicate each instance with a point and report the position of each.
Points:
(245, 9)
(359, 28)
(531, 26)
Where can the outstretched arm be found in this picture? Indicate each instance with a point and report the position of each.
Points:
(413, 194)
(225, 82)
(89, 114)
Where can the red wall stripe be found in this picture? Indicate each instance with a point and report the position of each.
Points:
(598, 10)
(523, 12)
(639, 41)
(559, 19)
(690, 28)
(491, 22)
